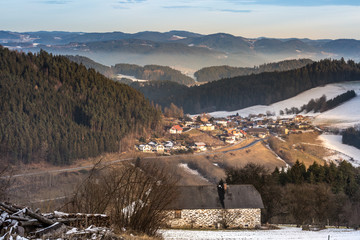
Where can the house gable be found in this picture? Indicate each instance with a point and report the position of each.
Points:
(238, 206)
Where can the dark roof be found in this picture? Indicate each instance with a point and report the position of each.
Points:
(207, 197)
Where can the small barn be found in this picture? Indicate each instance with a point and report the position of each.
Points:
(211, 206)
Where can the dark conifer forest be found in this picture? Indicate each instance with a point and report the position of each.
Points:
(55, 110)
(351, 136)
(320, 194)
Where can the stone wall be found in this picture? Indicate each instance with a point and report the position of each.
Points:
(215, 218)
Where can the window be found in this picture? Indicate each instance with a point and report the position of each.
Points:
(177, 213)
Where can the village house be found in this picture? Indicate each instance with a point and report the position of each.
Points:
(145, 148)
(176, 129)
(168, 145)
(211, 206)
(282, 130)
(229, 138)
(221, 122)
(259, 132)
(159, 148)
(207, 127)
(237, 133)
(200, 146)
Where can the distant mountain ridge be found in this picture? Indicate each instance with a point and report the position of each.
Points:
(180, 48)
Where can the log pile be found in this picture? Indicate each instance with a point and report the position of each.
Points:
(23, 223)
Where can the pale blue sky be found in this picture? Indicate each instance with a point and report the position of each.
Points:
(248, 18)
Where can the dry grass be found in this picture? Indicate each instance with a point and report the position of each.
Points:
(242, 143)
(258, 154)
(210, 140)
(299, 147)
(210, 165)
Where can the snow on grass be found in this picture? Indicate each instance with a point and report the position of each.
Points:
(345, 115)
(342, 116)
(335, 142)
(185, 166)
(132, 78)
(277, 156)
(288, 233)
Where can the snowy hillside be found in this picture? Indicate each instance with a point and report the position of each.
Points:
(343, 116)
(341, 151)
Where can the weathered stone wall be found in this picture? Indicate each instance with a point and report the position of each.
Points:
(216, 218)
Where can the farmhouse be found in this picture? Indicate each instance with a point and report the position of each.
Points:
(200, 146)
(176, 129)
(211, 206)
(260, 132)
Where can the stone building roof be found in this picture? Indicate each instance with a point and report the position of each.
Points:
(209, 197)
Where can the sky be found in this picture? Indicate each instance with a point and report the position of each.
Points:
(314, 19)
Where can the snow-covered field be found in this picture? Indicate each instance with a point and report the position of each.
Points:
(132, 78)
(334, 142)
(281, 234)
(345, 115)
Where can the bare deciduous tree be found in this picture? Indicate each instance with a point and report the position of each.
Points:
(133, 196)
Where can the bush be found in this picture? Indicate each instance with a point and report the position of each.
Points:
(133, 196)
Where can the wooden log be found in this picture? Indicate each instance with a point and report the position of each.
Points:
(9, 207)
(6, 210)
(18, 218)
(31, 223)
(39, 217)
(56, 227)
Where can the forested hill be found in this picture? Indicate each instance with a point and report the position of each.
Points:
(264, 88)
(153, 72)
(55, 110)
(147, 72)
(88, 63)
(209, 74)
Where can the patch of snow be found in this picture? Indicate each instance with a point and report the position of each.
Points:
(176, 37)
(288, 233)
(60, 214)
(335, 142)
(345, 115)
(185, 166)
(280, 138)
(132, 78)
(72, 231)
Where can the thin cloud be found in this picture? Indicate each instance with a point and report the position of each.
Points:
(303, 2)
(187, 7)
(179, 7)
(130, 1)
(56, 2)
(235, 11)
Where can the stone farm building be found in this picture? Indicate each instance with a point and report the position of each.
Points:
(211, 206)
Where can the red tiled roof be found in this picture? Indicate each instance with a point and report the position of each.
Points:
(177, 127)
